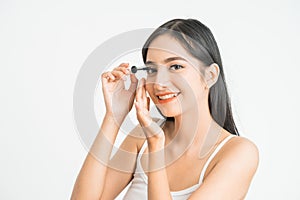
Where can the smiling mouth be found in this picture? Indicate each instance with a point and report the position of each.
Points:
(167, 97)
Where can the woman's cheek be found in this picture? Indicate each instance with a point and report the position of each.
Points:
(149, 89)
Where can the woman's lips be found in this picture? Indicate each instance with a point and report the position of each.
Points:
(166, 97)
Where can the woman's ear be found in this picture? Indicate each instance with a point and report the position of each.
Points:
(211, 74)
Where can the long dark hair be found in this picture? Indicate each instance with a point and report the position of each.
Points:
(199, 41)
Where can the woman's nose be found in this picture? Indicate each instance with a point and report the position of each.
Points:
(161, 79)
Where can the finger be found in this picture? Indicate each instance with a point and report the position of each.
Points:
(134, 82)
(139, 110)
(124, 72)
(111, 77)
(108, 76)
(104, 78)
(138, 94)
(142, 114)
(137, 107)
(123, 69)
(124, 65)
(148, 103)
(144, 95)
(143, 89)
(118, 74)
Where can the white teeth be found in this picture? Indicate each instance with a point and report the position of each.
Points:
(167, 96)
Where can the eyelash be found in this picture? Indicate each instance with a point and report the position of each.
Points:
(155, 70)
(176, 66)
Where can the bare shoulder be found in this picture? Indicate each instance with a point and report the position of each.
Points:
(241, 145)
(239, 151)
(232, 173)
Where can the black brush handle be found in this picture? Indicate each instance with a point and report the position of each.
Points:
(134, 69)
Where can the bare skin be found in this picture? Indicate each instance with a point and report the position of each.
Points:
(231, 171)
(228, 175)
(190, 162)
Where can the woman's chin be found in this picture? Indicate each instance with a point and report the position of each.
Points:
(170, 113)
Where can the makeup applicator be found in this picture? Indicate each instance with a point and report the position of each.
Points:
(134, 69)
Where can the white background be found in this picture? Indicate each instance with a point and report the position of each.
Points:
(44, 43)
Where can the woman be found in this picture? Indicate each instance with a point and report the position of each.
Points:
(196, 152)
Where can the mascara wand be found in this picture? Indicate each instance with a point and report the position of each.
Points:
(134, 69)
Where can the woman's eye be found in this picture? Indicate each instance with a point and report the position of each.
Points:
(151, 70)
(176, 67)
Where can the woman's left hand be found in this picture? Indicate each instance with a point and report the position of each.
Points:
(153, 132)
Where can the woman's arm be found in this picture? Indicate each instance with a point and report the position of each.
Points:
(122, 165)
(91, 179)
(158, 185)
(93, 183)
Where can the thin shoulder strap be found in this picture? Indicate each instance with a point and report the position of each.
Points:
(213, 155)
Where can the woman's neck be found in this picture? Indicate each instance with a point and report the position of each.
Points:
(189, 131)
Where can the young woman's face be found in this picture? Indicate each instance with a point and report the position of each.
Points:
(174, 81)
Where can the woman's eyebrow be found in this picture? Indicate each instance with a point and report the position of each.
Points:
(174, 58)
(167, 60)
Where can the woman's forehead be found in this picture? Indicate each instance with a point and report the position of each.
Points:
(165, 46)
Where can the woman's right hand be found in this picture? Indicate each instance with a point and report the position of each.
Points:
(118, 100)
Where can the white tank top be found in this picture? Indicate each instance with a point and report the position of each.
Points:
(139, 184)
